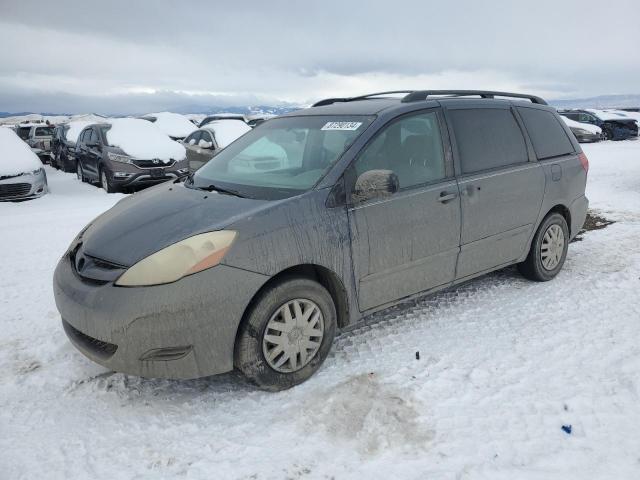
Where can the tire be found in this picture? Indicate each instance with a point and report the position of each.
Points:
(608, 134)
(105, 183)
(252, 349)
(546, 241)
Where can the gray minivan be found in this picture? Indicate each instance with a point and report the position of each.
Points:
(378, 199)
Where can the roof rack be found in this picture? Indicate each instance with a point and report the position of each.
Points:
(419, 95)
(329, 101)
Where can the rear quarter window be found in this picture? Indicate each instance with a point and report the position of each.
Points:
(487, 138)
(547, 135)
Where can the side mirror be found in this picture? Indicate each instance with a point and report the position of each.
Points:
(375, 184)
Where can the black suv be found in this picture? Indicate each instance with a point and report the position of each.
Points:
(62, 150)
(114, 169)
(614, 127)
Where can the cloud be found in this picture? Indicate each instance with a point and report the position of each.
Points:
(100, 55)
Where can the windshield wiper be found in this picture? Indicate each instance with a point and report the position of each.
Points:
(227, 191)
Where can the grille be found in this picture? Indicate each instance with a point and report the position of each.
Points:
(150, 164)
(97, 347)
(14, 189)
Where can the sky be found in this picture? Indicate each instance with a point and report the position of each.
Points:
(138, 56)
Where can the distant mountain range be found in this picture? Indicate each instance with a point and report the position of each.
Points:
(602, 101)
(246, 110)
(190, 109)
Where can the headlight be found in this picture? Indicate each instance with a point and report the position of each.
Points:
(170, 264)
(116, 157)
(582, 132)
(38, 171)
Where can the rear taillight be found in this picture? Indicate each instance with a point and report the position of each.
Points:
(584, 161)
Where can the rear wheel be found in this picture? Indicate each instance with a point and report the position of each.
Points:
(548, 249)
(286, 335)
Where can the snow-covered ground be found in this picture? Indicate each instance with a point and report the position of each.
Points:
(504, 364)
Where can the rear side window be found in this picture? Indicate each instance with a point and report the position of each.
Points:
(547, 135)
(487, 138)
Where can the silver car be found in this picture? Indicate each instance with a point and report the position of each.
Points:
(380, 199)
(22, 175)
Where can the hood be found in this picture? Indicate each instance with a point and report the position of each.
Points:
(148, 221)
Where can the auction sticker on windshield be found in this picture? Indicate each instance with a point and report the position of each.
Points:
(341, 126)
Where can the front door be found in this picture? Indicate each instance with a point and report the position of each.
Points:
(501, 187)
(93, 153)
(407, 242)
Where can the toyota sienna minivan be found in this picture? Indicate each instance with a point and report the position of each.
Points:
(381, 198)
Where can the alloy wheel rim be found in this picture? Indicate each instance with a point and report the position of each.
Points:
(293, 335)
(552, 247)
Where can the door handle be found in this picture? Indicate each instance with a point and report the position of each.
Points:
(447, 197)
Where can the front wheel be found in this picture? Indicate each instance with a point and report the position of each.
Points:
(548, 249)
(105, 183)
(608, 134)
(286, 334)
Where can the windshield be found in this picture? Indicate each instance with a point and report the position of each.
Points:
(44, 131)
(282, 157)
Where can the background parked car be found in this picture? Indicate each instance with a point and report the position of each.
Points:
(21, 173)
(173, 124)
(584, 132)
(63, 146)
(205, 142)
(126, 153)
(40, 141)
(223, 116)
(614, 126)
(255, 120)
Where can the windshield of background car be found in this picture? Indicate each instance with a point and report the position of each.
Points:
(44, 131)
(281, 157)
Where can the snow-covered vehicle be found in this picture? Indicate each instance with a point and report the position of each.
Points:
(614, 126)
(127, 153)
(63, 145)
(22, 175)
(584, 132)
(174, 125)
(207, 141)
(39, 138)
(223, 116)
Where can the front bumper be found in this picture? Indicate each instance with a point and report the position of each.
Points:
(588, 137)
(140, 179)
(24, 187)
(181, 330)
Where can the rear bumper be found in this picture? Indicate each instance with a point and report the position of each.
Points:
(578, 211)
(181, 330)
